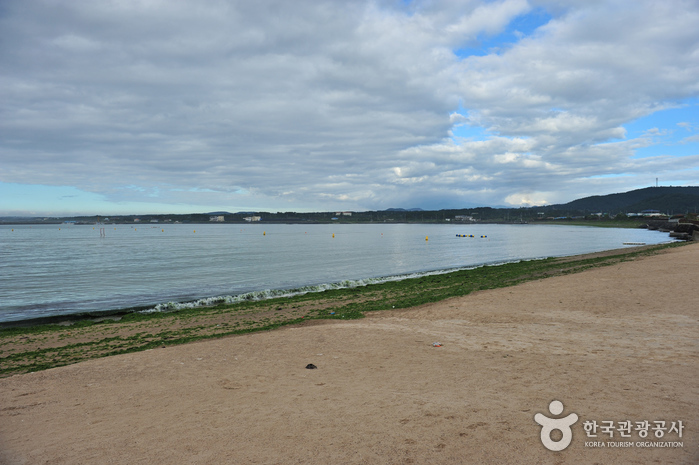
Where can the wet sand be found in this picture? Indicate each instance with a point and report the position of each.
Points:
(615, 343)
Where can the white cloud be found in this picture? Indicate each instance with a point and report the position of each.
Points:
(325, 105)
(527, 199)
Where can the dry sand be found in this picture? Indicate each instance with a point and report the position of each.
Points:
(613, 344)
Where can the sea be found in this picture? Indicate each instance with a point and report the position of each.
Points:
(68, 269)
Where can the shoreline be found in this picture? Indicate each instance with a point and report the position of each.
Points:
(65, 341)
(262, 294)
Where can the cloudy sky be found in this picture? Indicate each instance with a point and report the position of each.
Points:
(149, 106)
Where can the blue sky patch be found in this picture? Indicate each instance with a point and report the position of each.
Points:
(522, 26)
(674, 131)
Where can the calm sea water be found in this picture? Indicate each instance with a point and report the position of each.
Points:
(50, 270)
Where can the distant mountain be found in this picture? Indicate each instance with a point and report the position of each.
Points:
(404, 210)
(218, 213)
(665, 199)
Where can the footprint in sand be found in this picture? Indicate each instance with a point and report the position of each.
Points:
(228, 384)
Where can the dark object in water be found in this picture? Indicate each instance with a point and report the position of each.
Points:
(311, 366)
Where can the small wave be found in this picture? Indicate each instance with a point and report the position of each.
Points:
(276, 293)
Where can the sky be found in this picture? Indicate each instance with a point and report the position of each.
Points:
(179, 106)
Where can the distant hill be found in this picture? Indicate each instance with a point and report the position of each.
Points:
(666, 199)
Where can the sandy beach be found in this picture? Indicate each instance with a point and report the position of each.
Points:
(613, 344)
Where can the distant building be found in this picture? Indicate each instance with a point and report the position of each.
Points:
(216, 219)
(343, 214)
(250, 219)
(675, 219)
